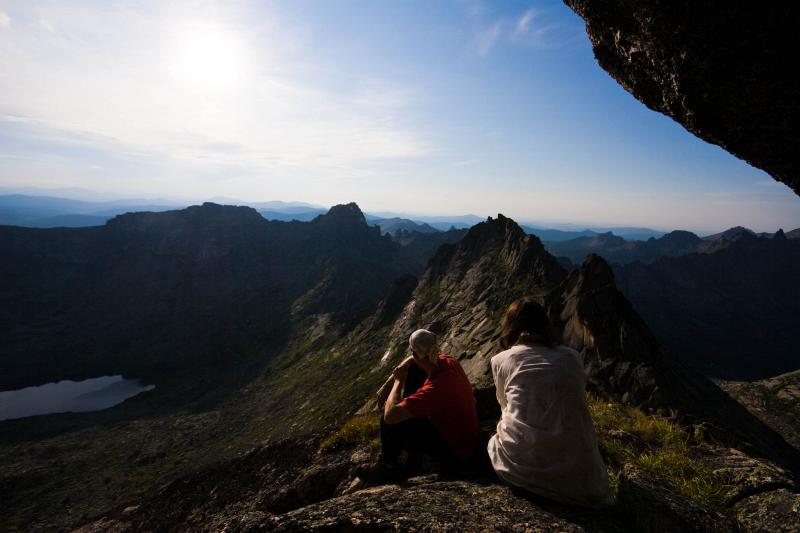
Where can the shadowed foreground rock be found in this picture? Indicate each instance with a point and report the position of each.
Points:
(724, 70)
(653, 508)
(438, 506)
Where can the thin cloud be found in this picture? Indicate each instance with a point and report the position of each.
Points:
(488, 37)
(5, 20)
(542, 30)
(534, 28)
(106, 80)
(525, 20)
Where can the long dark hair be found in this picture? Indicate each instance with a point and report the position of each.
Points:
(526, 320)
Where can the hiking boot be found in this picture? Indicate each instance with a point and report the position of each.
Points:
(381, 472)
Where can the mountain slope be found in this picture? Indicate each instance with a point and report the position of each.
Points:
(320, 381)
(730, 313)
(182, 294)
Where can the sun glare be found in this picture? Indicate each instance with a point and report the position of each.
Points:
(207, 57)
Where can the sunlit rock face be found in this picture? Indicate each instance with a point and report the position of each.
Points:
(725, 71)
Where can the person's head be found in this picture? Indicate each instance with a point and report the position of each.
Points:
(527, 321)
(424, 346)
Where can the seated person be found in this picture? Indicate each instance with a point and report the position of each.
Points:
(545, 441)
(430, 410)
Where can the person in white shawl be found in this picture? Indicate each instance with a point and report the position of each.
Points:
(545, 442)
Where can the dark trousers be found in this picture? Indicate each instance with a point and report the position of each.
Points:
(416, 435)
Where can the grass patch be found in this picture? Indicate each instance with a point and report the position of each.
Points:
(359, 429)
(653, 443)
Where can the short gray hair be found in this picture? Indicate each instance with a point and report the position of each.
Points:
(424, 345)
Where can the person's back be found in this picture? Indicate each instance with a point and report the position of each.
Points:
(545, 440)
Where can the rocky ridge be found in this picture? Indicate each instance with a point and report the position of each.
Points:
(292, 485)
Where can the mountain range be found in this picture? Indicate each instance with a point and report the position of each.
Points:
(616, 249)
(257, 330)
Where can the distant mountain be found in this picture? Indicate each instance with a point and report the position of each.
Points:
(393, 225)
(46, 212)
(615, 249)
(573, 231)
(618, 250)
(441, 223)
(555, 235)
(731, 312)
(728, 234)
(632, 234)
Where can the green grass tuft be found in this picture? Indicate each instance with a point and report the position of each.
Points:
(359, 429)
(656, 444)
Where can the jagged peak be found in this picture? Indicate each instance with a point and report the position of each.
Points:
(500, 247)
(501, 228)
(343, 214)
(594, 273)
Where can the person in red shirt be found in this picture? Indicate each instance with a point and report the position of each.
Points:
(430, 409)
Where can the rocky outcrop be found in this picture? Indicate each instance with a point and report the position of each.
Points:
(774, 400)
(287, 486)
(653, 507)
(721, 70)
(624, 361)
(466, 288)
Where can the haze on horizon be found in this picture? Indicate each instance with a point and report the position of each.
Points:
(418, 107)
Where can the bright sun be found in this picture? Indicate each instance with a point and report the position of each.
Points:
(206, 57)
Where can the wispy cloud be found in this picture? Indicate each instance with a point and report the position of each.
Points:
(487, 38)
(107, 78)
(524, 22)
(5, 20)
(534, 28)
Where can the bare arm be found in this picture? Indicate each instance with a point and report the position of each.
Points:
(386, 388)
(393, 412)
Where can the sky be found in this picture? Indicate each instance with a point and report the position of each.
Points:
(417, 107)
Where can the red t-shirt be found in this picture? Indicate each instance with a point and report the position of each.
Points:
(446, 398)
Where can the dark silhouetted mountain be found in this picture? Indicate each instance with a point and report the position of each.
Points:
(731, 312)
(175, 295)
